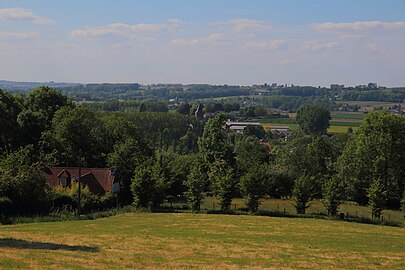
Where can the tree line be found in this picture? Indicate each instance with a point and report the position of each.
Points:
(169, 156)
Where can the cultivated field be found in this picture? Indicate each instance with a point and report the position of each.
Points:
(339, 123)
(184, 241)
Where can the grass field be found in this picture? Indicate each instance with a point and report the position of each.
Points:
(339, 124)
(316, 207)
(351, 116)
(188, 241)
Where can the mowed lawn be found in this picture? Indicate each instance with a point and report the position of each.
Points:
(187, 241)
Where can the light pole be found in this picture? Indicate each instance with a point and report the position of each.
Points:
(80, 184)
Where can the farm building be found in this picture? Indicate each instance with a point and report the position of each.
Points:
(238, 127)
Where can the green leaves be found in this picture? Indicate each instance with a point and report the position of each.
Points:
(303, 193)
(377, 196)
(377, 152)
(313, 119)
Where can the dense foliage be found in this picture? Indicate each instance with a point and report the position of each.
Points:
(161, 153)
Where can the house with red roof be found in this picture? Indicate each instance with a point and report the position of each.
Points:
(98, 180)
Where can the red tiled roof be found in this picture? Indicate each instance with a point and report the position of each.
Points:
(102, 175)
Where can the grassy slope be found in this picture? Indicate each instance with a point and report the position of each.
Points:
(186, 241)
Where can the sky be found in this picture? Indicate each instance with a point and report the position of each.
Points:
(300, 42)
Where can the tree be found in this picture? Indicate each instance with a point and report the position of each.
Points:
(377, 151)
(224, 182)
(253, 188)
(76, 130)
(46, 101)
(23, 183)
(250, 153)
(302, 193)
(377, 196)
(40, 107)
(332, 196)
(10, 107)
(213, 144)
(311, 155)
(148, 185)
(125, 159)
(196, 184)
(279, 182)
(313, 119)
(253, 130)
(184, 108)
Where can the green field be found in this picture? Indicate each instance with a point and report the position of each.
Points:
(339, 123)
(188, 241)
(351, 116)
(316, 207)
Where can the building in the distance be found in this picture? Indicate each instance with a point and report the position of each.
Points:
(238, 127)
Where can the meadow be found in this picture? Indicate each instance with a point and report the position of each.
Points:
(339, 123)
(200, 241)
(316, 207)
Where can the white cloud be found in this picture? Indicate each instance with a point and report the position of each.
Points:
(351, 37)
(211, 40)
(287, 62)
(184, 42)
(266, 45)
(240, 25)
(123, 29)
(314, 46)
(21, 14)
(373, 48)
(18, 35)
(359, 26)
(243, 25)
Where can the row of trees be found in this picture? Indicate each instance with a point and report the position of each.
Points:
(361, 167)
(160, 156)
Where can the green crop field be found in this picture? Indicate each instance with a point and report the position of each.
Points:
(200, 241)
(351, 116)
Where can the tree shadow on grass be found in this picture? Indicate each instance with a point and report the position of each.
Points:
(23, 244)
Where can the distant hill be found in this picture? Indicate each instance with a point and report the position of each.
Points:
(25, 86)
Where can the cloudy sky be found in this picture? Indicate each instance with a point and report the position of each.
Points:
(305, 42)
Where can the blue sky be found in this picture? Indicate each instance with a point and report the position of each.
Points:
(313, 42)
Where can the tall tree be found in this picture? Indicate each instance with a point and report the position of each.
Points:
(253, 186)
(148, 185)
(332, 195)
(303, 193)
(250, 153)
(376, 152)
(196, 184)
(377, 196)
(10, 107)
(23, 183)
(224, 181)
(76, 131)
(313, 119)
(124, 160)
(214, 144)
